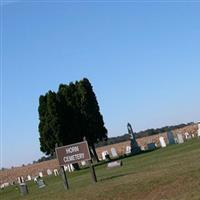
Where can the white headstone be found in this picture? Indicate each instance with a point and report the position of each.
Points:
(180, 138)
(128, 149)
(142, 148)
(40, 174)
(49, 172)
(199, 129)
(104, 153)
(72, 167)
(187, 136)
(66, 168)
(114, 164)
(22, 179)
(55, 171)
(162, 142)
(35, 179)
(4, 185)
(29, 178)
(114, 152)
(19, 180)
(83, 163)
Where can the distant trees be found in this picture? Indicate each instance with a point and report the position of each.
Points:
(69, 115)
(148, 132)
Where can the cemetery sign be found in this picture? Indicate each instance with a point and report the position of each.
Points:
(73, 153)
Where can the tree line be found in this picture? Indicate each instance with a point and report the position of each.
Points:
(145, 133)
(69, 115)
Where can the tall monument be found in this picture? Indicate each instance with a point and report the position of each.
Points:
(134, 145)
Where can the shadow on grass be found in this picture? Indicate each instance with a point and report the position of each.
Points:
(115, 176)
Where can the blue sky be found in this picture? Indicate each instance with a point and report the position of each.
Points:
(143, 60)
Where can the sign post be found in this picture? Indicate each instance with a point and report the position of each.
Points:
(66, 185)
(74, 153)
(94, 178)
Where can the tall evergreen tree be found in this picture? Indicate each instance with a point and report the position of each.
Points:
(94, 129)
(70, 115)
(49, 126)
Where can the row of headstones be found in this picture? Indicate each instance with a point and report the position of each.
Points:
(175, 140)
(114, 153)
(21, 179)
(171, 140)
(69, 168)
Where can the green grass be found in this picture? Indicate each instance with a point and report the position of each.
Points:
(170, 173)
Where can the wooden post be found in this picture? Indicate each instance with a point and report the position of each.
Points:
(92, 170)
(64, 176)
(93, 174)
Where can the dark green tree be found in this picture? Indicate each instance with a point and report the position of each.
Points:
(93, 126)
(70, 115)
(49, 126)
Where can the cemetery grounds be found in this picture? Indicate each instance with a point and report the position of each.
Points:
(171, 173)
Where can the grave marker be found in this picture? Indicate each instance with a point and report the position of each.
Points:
(104, 153)
(114, 164)
(114, 152)
(128, 150)
(49, 172)
(170, 137)
(151, 146)
(199, 130)
(134, 145)
(162, 142)
(40, 183)
(180, 138)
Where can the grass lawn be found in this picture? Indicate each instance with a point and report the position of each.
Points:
(170, 173)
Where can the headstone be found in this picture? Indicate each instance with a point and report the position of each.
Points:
(187, 135)
(199, 130)
(142, 148)
(71, 168)
(170, 137)
(29, 178)
(134, 145)
(40, 183)
(151, 146)
(104, 153)
(128, 150)
(4, 185)
(55, 171)
(23, 188)
(40, 174)
(162, 142)
(66, 168)
(180, 138)
(19, 180)
(83, 163)
(114, 164)
(176, 140)
(114, 152)
(35, 179)
(49, 172)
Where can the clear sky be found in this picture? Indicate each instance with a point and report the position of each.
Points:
(142, 58)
